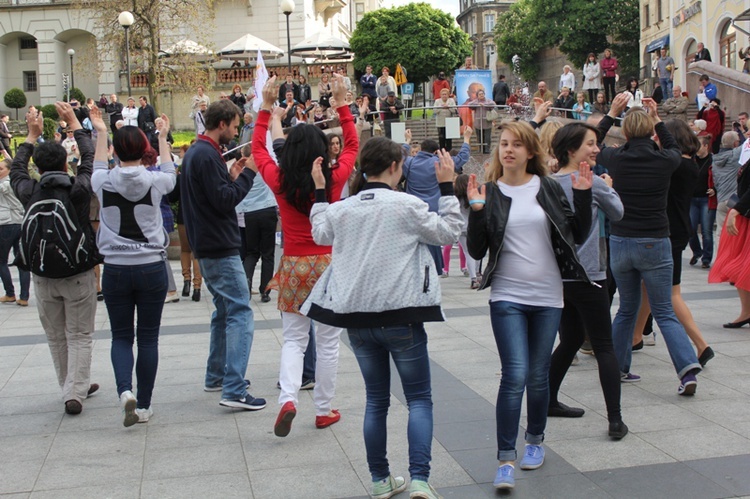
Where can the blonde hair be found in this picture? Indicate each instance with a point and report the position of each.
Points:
(637, 124)
(548, 131)
(529, 139)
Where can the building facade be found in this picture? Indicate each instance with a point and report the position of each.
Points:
(36, 35)
(681, 24)
(477, 18)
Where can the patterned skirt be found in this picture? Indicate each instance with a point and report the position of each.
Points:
(295, 279)
(733, 261)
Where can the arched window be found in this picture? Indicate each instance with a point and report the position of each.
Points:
(728, 46)
(690, 50)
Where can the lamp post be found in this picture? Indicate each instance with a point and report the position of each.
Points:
(126, 20)
(287, 7)
(71, 53)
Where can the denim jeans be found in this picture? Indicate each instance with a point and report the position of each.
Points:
(128, 288)
(9, 236)
(701, 215)
(650, 260)
(666, 86)
(525, 335)
(407, 345)
(232, 325)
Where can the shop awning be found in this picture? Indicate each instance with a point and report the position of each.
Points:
(657, 44)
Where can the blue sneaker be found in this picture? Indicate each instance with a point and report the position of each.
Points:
(629, 378)
(504, 477)
(533, 458)
(688, 385)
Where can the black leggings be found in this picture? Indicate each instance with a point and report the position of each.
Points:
(609, 88)
(593, 92)
(587, 311)
(444, 143)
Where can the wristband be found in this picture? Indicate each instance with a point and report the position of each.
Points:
(476, 201)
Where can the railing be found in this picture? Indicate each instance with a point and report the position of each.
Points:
(714, 79)
(16, 3)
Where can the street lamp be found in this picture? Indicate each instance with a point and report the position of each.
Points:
(287, 7)
(71, 53)
(126, 20)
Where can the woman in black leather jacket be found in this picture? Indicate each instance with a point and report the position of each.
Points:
(525, 220)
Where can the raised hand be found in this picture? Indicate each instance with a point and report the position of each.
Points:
(95, 115)
(444, 166)
(619, 103)
(163, 126)
(270, 93)
(317, 173)
(476, 193)
(279, 112)
(543, 110)
(468, 132)
(585, 177)
(339, 88)
(65, 112)
(407, 136)
(35, 123)
(652, 108)
(365, 107)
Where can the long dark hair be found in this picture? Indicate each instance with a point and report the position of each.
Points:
(376, 156)
(460, 186)
(684, 136)
(304, 144)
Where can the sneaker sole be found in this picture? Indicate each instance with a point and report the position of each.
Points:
(392, 493)
(504, 486)
(531, 466)
(236, 404)
(284, 426)
(131, 417)
(689, 389)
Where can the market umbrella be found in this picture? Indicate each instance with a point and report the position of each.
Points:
(321, 46)
(247, 47)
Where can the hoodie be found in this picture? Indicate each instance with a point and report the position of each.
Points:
(131, 231)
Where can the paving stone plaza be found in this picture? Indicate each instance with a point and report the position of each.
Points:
(192, 448)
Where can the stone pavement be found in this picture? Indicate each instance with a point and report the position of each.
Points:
(678, 447)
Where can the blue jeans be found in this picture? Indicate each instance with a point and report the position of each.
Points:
(650, 260)
(127, 288)
(408, 346)
(232, 325)
(701, 215)
(9, 236)
(525, 335)
(666, 87)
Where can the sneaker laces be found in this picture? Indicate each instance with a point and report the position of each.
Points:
(532, 450)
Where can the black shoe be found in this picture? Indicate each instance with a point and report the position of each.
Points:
(736, 325)
(638, 346)
(99, 296)
(705, 356)
(73, 407)
(617, 430)
(93, 388)
(265, 298)
(706, 265)
(563, 411)
(186, 288)
(196, 294)
(694, 260)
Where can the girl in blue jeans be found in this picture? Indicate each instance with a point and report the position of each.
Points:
(133, 241)
(523, 217)
(384, 307)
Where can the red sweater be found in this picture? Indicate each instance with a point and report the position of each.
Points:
(296, 226)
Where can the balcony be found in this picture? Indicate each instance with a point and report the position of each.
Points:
(329, 8)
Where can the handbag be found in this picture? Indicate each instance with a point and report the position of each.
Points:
(491, 115)
(732, 201)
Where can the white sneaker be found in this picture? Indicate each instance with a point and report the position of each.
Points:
(173, 298)
(127, 400)
(144, 414)
(650, 339)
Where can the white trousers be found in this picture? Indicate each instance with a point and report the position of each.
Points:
(296, 329)
(471, 264)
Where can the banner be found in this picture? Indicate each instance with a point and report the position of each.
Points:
(261, 77)
(468, 82)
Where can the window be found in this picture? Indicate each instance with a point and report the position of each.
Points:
(28, 43)
(29, 81)
(489, 23)
(359, 11)
(646, 16)
(472, 26)
(489, 51)
(659, 13)
(728, 46)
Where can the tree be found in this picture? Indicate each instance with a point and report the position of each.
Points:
(15, 99)
(577, 27)
(49, 111)
(77, 94)
(50, 127)
(423, 39)
(154, 22)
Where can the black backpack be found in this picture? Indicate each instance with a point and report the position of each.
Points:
(53, 242)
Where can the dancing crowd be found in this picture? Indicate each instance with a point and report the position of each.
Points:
(560, 222)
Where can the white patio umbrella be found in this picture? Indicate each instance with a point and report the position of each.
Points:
(187, 48)
(247, 47)
(321, 46)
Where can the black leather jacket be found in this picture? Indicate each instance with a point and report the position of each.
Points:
(487, 227)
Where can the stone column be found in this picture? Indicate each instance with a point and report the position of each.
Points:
(52, 58)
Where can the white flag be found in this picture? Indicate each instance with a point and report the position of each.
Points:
(745, 154)
(261, 77)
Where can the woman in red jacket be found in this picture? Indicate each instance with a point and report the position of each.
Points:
(714, 117)
(609, 72)
(303, 261)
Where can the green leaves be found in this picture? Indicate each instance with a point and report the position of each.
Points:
(423, 39)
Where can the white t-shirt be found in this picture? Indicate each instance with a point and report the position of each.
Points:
(527, 272)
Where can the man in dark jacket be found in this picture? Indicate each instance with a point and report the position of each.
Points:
(564, 101)
(500, 91)
(114, 109)
(146, 116)
(702, 54)
(390, 107)
(209, 194)
(66, 306)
